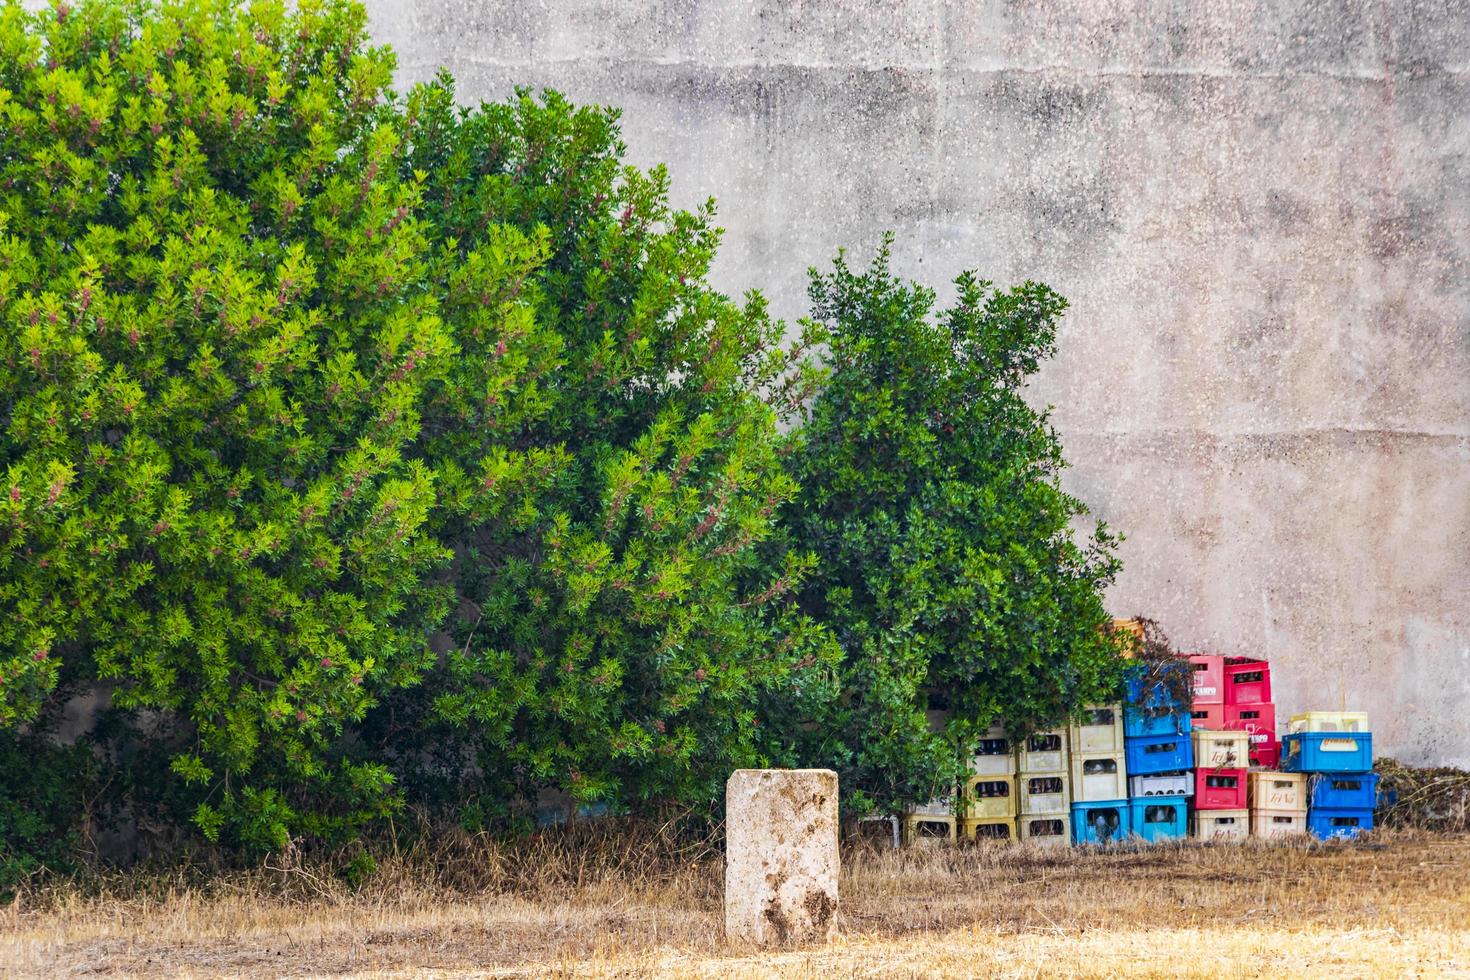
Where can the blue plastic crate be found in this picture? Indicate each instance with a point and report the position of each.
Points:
(1343, 791)
(1158, 695)
(1338, 823)
(1156, 818)
(1158, 753)
(1327, 752)
(1142, 722)
(1100, 823)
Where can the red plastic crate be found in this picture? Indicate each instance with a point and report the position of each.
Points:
(1247, 681)
(1219, 789)
(1209, 678)
(1259, 722)
(1209, 716)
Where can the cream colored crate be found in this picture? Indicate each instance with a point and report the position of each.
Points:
(1220, 824)
(1272, 824)
(1100, 731)
(1099, 778)
(990, 796)
(1045, 829)
(1044, 752)
(928, 830)
(983, 829)
(1044, 792)
(940, 806)
(1328, 721)
(995, 755)
(1277, 790)
(1221, 750)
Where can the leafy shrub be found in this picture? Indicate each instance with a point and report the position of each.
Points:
(223, 319)
(946, 562)
(613, 637)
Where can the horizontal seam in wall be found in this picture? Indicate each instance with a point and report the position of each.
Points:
(1374, 77)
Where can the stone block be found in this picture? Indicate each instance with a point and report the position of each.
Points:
(781, 856)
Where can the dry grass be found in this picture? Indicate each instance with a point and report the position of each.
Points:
(641, 904)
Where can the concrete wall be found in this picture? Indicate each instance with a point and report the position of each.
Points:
(1259, 210)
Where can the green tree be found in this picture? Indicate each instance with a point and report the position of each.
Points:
(947, 565)
(223, 319)
(613, 640)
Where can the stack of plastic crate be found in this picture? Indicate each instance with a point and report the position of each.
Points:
(1099, 776)
(1042, 780)
(1220, 791)
(1335, 750)
(990, 790)
(1248, 707)
(1158, 756)
(1278, 802)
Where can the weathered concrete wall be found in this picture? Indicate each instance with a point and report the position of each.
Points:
(1261, 214)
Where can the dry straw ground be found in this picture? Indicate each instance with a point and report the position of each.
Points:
(642, 905)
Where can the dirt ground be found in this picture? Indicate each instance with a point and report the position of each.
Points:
(1395, 906)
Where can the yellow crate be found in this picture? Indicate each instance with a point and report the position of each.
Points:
(1219, 824)
(1272, 824)
(1221, 750)
(1044, 792)
(1100, 731)
(990, 796)
(1099, 778)
(1277, 790)
(994, 755)
(1134, 629)
(1045, 829)
(928, 830)
(1044, 752)
(1328, 721)
(989, 829)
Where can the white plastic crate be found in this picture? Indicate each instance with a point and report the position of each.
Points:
(1099, 731)
(1161, 784)
(1220, 824)
(1046, 792)
(1044, 752)
(1099, 778)
(1221, 750)
(1277, 790)
(1328, 721)
(1272, 824)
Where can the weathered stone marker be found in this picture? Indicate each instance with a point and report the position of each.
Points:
(781, 856)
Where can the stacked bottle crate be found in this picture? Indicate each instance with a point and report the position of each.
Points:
(1042, 780)
(929, 824)
(1278, 802)
(1220, 791)
(1099, 776)
(1158, 756)
(990, 791)
(1335, 750)
(1248, 707)
(1209, 691)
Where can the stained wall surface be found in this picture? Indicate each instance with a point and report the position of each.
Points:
(1260, 212)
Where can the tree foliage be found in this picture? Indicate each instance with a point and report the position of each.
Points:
(222, 317)
(613, 641)
(947, 563)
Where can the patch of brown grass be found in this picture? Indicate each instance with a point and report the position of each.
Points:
(630, 902)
